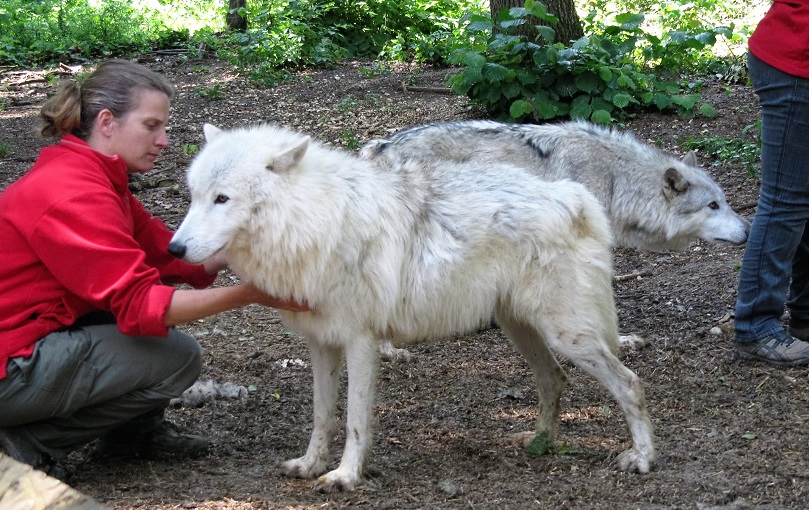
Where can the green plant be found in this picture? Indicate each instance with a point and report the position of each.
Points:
(727, 152)
(347, 104)
(213, 93)
(598, 77)
(190, 149)
(375, 70)
(5, 149)
(350, 139)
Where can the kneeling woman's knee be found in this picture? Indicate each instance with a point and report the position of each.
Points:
(186, 348)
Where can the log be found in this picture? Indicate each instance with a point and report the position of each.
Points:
(24, 488)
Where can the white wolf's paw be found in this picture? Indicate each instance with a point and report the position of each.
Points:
(391, 353)
(303, 468)
(632, 341)
(635, 462)
(337, 480)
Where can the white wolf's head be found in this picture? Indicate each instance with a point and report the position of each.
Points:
(229, 181)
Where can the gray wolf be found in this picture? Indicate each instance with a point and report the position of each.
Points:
(405, 253)
(655, 201)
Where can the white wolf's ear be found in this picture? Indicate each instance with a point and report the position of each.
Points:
(673, 183)
(210, 132)
(690, 159)
(285, 160)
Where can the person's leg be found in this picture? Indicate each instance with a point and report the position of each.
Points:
(80, 384)
(779, 224)
(776, 250)
(798, 300)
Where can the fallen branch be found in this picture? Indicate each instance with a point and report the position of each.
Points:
(437, 90)
(631, 276)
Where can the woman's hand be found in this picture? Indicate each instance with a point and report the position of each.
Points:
(261, 298)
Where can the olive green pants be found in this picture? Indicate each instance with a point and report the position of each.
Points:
(82, 383)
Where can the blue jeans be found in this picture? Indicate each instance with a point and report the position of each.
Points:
(776, 258)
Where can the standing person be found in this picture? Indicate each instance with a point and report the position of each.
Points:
(87, 344)
(776, 259)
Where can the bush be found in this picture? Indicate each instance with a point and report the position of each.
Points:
(601, 77)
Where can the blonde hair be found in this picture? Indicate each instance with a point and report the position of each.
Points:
(112, 86)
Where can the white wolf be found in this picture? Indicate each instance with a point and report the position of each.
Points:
(655, 201)
(406, 253)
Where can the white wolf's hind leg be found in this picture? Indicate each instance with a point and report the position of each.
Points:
(362, 363)
(326, 368)
(593, 355)
(548, 377)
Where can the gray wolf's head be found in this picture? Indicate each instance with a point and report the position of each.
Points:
(697, 207)
(232, 178)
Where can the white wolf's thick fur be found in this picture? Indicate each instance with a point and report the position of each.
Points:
(407, 253)
(655, 201)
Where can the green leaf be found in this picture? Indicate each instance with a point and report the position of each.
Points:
(546, 33)
(580, 108)
(587, 82)
(605, 74)
(601, 117)
(540, 445)
(566, 86)
(662, 101)
(621, 100)
(749, 437)
(707, 110)
(511, 89)
(630, 21)
(480, 26)
(494, 72)
(474, 59)
(520, 108)
(625, 82)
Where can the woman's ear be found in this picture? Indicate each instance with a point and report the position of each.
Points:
(104, 122)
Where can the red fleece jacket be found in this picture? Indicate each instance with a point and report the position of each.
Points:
(781, 38)
(75, 240)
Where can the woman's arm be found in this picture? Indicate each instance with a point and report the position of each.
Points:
(190, 305)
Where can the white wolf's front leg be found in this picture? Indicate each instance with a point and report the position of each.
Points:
(362, 362)
(326, 368)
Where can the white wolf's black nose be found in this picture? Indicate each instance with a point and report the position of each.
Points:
(177, 249)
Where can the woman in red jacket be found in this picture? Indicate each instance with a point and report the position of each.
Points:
(775, 268)
(87, 307)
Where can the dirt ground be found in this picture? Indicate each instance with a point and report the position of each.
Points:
(730, 434)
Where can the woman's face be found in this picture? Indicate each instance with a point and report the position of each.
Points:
(139, 136)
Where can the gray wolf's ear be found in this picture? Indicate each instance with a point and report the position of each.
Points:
(289, 158)
(210, 132)
(673, 183)
(690, 159)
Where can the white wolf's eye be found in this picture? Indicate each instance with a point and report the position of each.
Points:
(221, 199)
(713, 205)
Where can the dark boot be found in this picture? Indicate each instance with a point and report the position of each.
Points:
(165, 441)
(17, 446)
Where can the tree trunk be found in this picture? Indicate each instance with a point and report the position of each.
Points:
(568, 29)
(235, 20)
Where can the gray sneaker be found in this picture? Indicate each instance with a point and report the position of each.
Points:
(777, 349)
(799, 328)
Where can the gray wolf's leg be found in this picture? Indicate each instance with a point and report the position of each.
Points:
(548, 376)
(391, 353)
